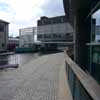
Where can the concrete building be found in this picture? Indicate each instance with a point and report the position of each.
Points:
(27, 36)
(3, 35)
(54, 29)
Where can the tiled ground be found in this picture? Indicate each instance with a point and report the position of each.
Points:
(37, 80)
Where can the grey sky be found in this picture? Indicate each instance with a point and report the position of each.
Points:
(97, 16)
(25, 13)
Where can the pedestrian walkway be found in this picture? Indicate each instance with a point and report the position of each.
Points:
(40, 79)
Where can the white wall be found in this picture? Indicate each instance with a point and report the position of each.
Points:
(27, 36)
(61, 28)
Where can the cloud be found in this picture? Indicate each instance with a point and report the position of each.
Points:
(53, 8)
(25, 13)
(96, 14)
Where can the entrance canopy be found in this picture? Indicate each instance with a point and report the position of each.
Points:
(86, 6)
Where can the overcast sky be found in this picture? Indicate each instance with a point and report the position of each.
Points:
(24, 13)
(97, 16)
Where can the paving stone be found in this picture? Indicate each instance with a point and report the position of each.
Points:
(36, 80)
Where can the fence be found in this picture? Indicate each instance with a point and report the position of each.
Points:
(82, 85)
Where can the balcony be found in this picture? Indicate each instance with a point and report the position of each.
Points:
(81, 83)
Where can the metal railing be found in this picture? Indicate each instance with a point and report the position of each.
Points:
(82, 85)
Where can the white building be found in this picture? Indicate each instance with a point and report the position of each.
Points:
(54, 29)
(3, 35)
(27, 36)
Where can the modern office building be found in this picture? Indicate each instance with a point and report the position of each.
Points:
(98, 33)
(83, 79)
(27, 36)
(3, 35)
(54, 29)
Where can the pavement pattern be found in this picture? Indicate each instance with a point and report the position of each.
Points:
(39, 79)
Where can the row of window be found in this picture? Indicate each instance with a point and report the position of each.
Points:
(51, 21)
(27, 38)
(53, 35)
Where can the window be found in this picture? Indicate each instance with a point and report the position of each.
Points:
(46, 36)
(59, 36)
(3, 44)
(62, 20)
(43, 22)
(39, 36)
(54, 35)
(1, 27)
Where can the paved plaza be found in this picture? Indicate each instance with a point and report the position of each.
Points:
(41, 79)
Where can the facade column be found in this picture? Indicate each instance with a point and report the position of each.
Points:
(82, 36)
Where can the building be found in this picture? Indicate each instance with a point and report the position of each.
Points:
(54, 29)
(13, 42)
(98, 33)
(3, 35)
(27, 36)
(83, 78)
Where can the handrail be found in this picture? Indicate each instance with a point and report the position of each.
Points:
(89, 84)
